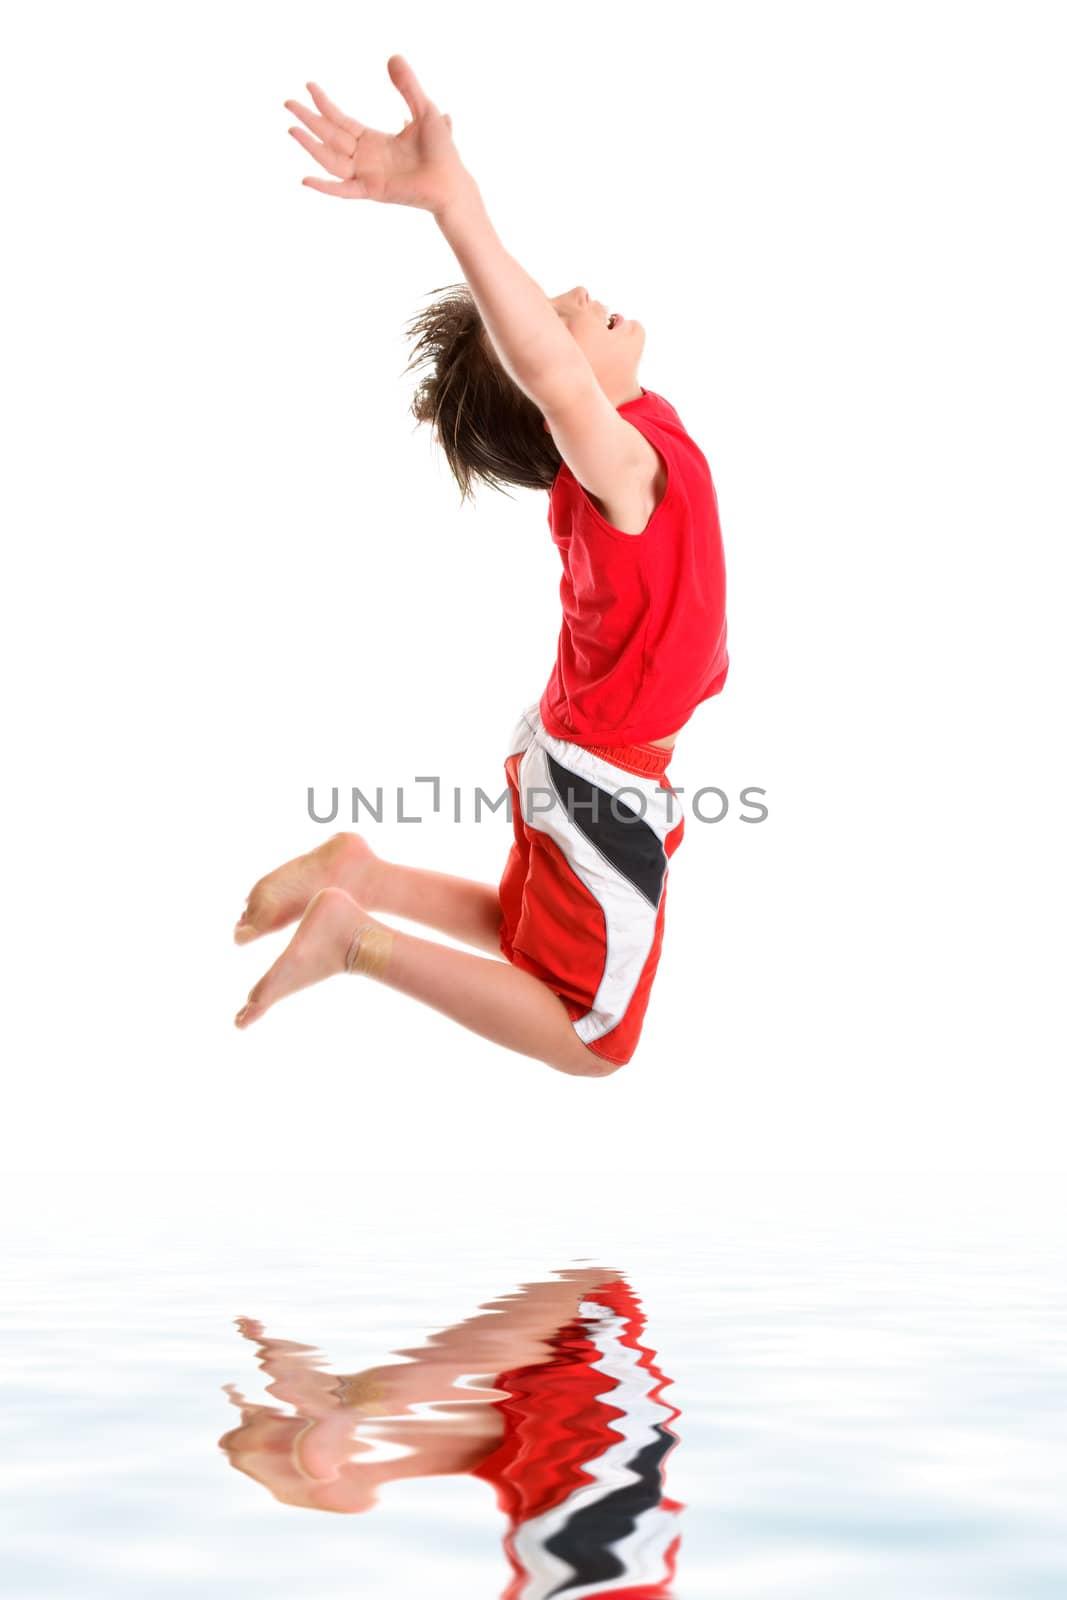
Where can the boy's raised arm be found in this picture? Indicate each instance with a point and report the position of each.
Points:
(531, 342)
(421, 167)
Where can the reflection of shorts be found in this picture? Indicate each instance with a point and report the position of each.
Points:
(583, 889)
(579, 1469)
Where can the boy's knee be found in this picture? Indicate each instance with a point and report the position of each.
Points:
(604, 1068)
(586, 1063)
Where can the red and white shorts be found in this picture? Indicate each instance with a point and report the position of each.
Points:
(583, 889)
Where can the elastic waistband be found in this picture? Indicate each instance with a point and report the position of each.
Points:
(634, 757)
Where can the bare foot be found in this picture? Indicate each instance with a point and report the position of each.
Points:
(317, 950)
(345, 861)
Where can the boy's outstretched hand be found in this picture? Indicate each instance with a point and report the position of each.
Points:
(419, 166)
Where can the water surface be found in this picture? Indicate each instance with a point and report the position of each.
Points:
(534, 1386)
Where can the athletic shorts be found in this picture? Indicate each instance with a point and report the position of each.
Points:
(583, 890)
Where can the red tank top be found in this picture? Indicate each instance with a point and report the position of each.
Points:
(643, 639)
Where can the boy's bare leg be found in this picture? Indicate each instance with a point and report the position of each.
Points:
(459, 907)
(493, 998)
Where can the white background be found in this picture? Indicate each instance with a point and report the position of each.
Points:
(234, 567)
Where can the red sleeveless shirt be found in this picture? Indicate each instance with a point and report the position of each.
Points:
(643, 639)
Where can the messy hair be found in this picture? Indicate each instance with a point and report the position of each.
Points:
(488, 428)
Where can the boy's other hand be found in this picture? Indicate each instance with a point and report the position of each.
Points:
(419, 166)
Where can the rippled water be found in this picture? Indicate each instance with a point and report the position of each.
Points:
(528, 1386)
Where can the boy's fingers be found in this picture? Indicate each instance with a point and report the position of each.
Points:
(352, 189)
(405, 80)
(327, 155)
(335, 114)
(322, 127)
(312, 118)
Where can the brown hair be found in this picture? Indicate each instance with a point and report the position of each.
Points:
(489, 429)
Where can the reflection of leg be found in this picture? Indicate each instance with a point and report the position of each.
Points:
(459, 907)
(457, 1438)
(346, 1476)
(492, 998)
(330, 1465)
(460, 1432)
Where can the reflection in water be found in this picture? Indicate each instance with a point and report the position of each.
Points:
(550, 1397)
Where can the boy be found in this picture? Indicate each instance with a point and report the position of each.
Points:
(542, 393)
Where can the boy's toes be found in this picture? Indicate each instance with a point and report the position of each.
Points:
(260, 999)
(245, 929)
(273, 903)
(317, 950)
(260, 915)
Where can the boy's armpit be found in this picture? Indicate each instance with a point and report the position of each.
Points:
(618, 467)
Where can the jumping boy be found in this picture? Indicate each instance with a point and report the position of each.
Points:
(542, 393)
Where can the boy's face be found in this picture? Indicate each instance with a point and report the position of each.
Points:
(613, 353)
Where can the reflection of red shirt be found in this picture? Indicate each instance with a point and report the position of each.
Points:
(579, 1470)
(643, 638)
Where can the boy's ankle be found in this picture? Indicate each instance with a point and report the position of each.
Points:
(369, 952)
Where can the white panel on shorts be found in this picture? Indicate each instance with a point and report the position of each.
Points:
(629, 917)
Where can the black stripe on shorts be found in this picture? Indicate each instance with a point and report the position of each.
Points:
(622, 836)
